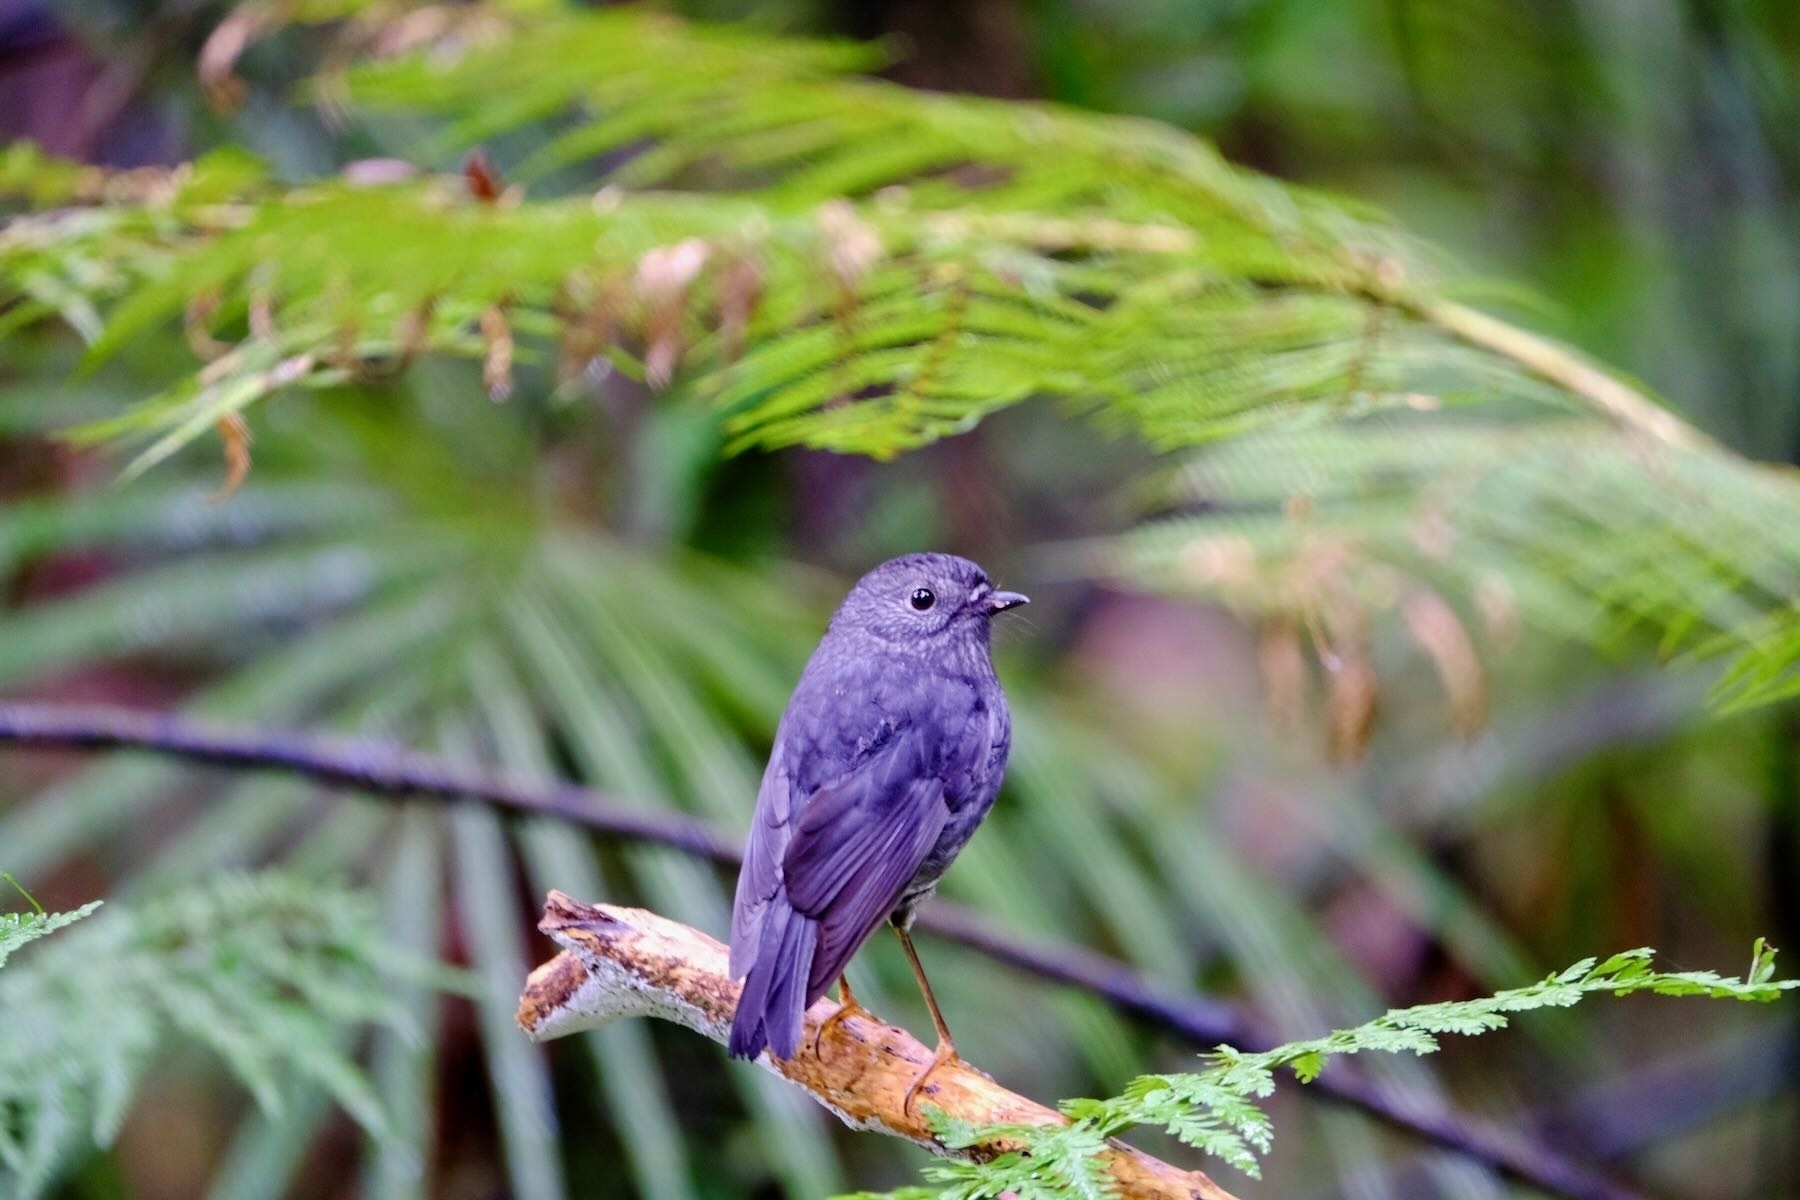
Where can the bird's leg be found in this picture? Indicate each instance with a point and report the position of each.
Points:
(946, 1049)
(848, 1006)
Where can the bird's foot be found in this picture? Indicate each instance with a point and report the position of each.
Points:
(944, 1054)
(846, 1009)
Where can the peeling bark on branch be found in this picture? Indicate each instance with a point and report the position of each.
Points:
(625, 962)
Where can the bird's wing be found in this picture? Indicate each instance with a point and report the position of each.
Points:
(759, 879)
(856, 843)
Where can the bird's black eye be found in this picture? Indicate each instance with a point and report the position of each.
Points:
(922, 599)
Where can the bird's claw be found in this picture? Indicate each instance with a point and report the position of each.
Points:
(945, 1054)
(849, 1008)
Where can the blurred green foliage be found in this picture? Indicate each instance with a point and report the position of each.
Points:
(268, 972)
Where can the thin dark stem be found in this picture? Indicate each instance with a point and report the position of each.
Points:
(384, 769)
(368, 766)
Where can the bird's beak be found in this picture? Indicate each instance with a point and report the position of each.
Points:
(999, 602)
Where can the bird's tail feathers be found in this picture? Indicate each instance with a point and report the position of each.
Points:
(772, 1006)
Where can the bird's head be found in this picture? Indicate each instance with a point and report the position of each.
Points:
(923, 597)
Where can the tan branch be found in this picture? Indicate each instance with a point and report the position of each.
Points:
(1626, 405)
(1560, 365)
(625, 962)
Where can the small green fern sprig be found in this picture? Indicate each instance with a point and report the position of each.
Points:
(17, 929)
(267, 971)
(1218, 1109)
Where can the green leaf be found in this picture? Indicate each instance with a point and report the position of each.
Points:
(1306, 1067)
(18, 929)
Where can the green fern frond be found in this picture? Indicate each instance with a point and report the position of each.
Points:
(733, 108)
(1218, 1109)
(262, 970)
(886, 299)
(868, 331)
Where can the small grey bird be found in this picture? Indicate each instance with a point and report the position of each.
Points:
(889, 755)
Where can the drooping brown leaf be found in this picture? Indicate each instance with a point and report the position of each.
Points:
(1283, 663)
(664, 277)
(1440, 632)
(1352, 698)
(497, 359)
(236, 434)
(196, 326)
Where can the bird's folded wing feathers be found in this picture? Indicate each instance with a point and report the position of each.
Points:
(760, 877)
(856, 844)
